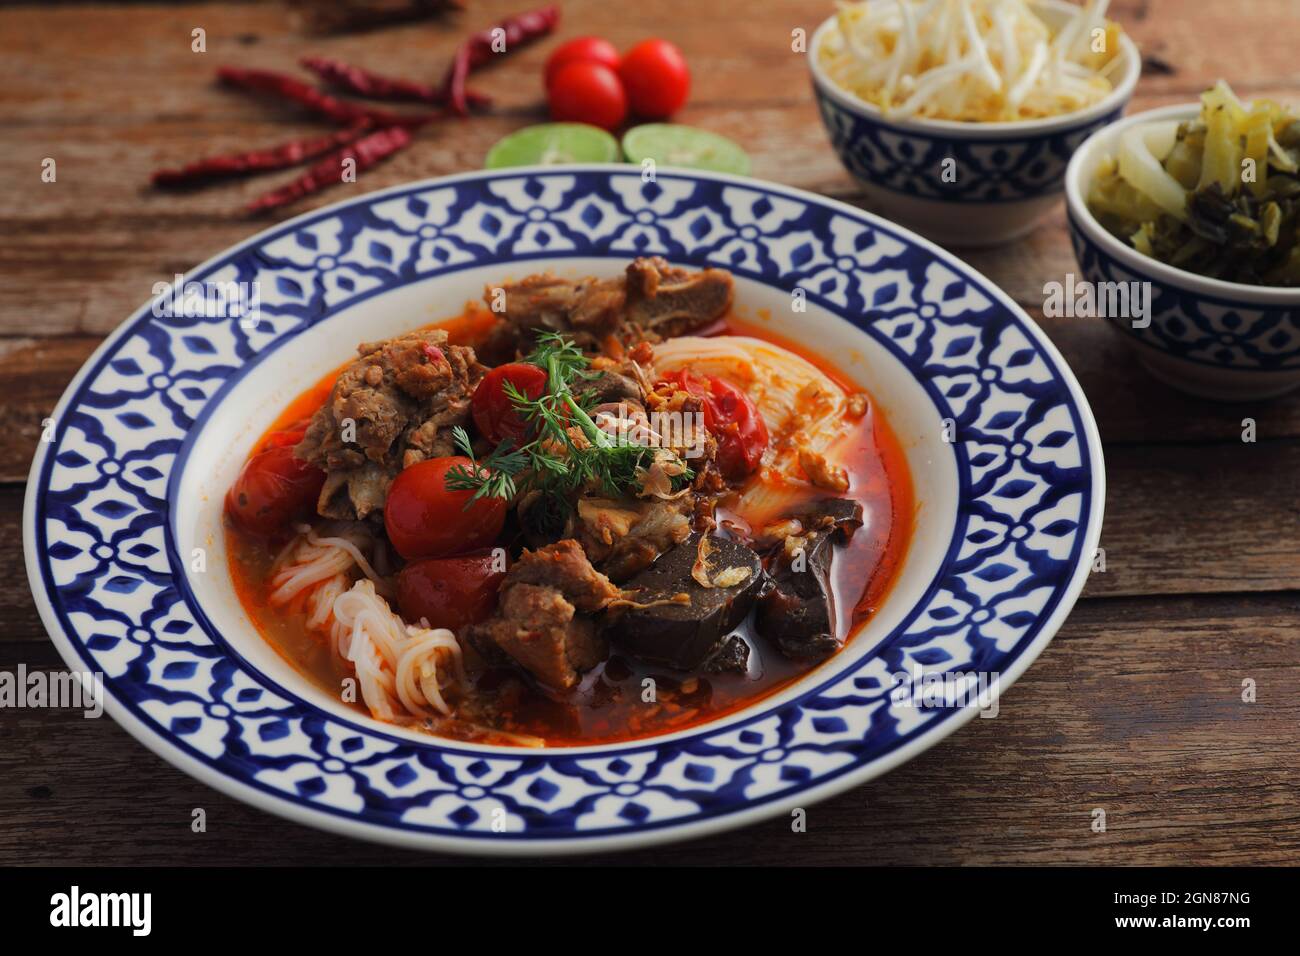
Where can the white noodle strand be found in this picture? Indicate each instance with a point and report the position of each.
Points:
(401, 670)
(802, 407)
(399, 667)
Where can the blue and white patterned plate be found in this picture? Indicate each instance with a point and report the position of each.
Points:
(126, 561)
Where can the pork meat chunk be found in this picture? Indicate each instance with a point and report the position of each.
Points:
(670, 301)
(540, 630)
(542, 621)
(625, 536)
(564, 566)
(391, 408)
(650, 300)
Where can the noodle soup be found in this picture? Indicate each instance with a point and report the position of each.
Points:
(488, 530)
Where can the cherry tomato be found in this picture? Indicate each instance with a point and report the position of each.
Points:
(272, 489)
(494, 413)
(581, 50)
(450, 592)
(289, 435)
(587, 92)
(426, 519)
(732, 418)
(656, 78)
(285, 439)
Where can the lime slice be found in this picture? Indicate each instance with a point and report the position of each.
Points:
(669, 144)
(553, 144)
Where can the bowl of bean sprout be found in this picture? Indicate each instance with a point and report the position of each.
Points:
(958, 117)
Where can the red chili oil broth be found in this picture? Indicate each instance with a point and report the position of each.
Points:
(615, 702)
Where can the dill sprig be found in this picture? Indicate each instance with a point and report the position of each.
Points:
(555, 461)
(493, 478)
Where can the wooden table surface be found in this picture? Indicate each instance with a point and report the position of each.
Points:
(1134, 708)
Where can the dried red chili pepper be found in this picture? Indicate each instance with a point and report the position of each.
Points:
(368, 151)
(290, 88)
(258, 160)
(362, 82)
(477, 49)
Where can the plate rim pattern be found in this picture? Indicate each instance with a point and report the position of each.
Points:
(728, 811)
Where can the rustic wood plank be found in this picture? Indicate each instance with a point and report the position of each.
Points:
(1132, 406)
(1135, 708)
(33, 375)
(109, 119)
(23, 633)
(739, 54)
(1192, 519)
(89, 252)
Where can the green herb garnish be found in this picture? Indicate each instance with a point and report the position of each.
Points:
(555, 462)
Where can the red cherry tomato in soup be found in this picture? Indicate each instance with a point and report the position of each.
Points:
(426, 519)
(284, 439)
(289, 435)
(740, 430)
(273, 489)
(494, 413)
(656, 78)
(733, 420)
(450, 592)
(587, 92)
(581, 50)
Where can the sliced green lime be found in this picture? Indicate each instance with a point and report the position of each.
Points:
(553, 144)
(670, 144)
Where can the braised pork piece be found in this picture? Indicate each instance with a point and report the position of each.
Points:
(393, 407)
(546, 617)
(650, 302)
(510, 534)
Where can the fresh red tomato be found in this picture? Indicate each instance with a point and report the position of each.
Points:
(426, 519)
(494, 413)
(586, 92)
(581, 50)
(289, 435)
(656, 78)
(740, 429)
(285, 439)
(272, 489)
(450, 592)
(732, 418)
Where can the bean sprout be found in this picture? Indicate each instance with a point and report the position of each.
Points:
(970, 60)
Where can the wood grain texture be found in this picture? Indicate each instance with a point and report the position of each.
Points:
(1161, 740)
(1200, 518)
(96, 241)
(1134, 708)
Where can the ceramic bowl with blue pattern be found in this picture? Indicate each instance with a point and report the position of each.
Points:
(1208, 337)
(1003, 177)
(126, 556)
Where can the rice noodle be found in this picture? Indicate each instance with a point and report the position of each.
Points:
(320, 601)
(418, 681)
(401, 670)
(338, 541)
(804, 409)
(310, 566)
(311, 559)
